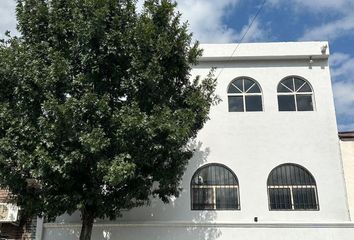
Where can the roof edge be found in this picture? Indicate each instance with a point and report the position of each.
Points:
(346, 136)
(265, 51)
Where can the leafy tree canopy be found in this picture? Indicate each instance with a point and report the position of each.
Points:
(96, 105)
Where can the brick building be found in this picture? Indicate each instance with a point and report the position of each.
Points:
(18, 227)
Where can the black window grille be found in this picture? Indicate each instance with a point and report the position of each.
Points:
(214, 187)
(292, 187)
(244, 95)
(295, 94)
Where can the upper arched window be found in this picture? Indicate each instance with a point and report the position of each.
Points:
(292, 187)
(295, 94)
(244, 95)
(214, 187)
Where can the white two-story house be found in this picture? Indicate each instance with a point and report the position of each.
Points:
(267, 164)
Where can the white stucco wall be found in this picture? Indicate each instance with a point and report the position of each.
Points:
(206, 232)
(347, 148)
(252, 144)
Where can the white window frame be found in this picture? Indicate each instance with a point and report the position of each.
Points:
(245, 93)
(295, 93)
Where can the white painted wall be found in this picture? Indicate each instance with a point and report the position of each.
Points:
(252, 144)
(206, 232)
(275, 50)
(347, 148)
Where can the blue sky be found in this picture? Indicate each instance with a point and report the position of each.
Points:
(225, 21)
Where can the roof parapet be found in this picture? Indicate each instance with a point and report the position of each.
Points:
(265, 51)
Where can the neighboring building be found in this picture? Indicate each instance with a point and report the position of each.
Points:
(347, 147)
(267, 164)
(13, 226)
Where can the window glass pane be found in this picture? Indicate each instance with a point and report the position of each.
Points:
(301, 177)
(279, 198)
(248, 84)
(308, 178)
(298, 83)
(286, 102)
(236, 87)
(304, 198)
(304, 102)
(214, 175)
(236, 104)
(219, 172)
(211, 176)
(286, 85)
(282, 88)
(226, 198)
(253, 103)
(283, 175)
(303, 87)
(202, 198)
(239, 84)
(254, 89)
(290, 174)
(224, 176)
(289, 83)
(233, 89)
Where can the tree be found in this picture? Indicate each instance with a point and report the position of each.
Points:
(97, 106)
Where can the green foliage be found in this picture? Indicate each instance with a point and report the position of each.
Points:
(97, 105)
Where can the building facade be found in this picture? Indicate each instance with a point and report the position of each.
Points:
(347, 149)
(13, 225)
(267, 163)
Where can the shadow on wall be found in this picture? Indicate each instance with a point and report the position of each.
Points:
(135, 233)
(130, 227)
(205, 233)
(61, 233)
(200, 158)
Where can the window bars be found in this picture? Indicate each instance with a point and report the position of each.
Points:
(244, 95)
(291, 187)
(214, 187)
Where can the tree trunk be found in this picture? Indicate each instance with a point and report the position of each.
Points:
(87, 223)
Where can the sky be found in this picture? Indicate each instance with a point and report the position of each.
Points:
(225, 21)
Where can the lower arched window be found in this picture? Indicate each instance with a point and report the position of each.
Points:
(292, 187)
(214, 187)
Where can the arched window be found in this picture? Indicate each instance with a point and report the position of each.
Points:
(244, 95)
(214, 187)
(295, 94)
(292, 187)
